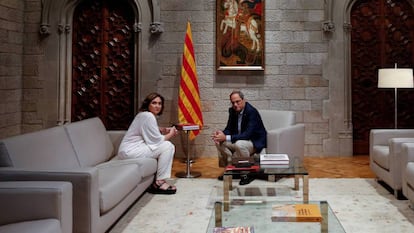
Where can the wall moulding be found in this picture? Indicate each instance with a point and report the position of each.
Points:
(48, 6)
(328, 26)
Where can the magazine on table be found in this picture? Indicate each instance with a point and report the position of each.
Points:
(296, 213)
(242, 229)
(274, 157)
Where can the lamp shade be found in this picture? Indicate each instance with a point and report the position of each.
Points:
(395, 78)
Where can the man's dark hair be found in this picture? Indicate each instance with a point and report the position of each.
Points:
(237, 92)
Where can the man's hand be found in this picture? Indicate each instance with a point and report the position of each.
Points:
(218, 136)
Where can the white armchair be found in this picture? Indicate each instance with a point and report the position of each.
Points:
(407, 167)
(385, 155)
(284, 136)
(36, 206)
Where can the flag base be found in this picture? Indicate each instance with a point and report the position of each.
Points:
(192, 174)
(188, 173)
(185, 161)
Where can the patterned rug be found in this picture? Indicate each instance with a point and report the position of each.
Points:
(361, 205)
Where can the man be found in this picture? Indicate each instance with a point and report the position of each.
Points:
(244, 134)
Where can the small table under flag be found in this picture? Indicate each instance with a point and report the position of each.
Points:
(188, 173)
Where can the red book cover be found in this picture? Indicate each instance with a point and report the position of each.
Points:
(253, 168)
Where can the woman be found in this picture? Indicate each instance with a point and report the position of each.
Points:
(145, 138)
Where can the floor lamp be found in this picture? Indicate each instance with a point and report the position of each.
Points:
(395, 78)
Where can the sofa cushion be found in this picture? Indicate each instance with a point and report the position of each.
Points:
(5, 160)
(115, 182)
(146, 166)
(38, 226)
(90, 141)
(43, 149)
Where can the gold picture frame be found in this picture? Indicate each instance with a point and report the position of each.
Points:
(240, 35)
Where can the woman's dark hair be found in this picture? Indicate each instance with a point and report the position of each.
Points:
(147, 101)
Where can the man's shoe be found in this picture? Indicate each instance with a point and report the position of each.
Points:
(245, 179)
(234, 176)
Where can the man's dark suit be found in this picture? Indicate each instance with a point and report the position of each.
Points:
(252, 127)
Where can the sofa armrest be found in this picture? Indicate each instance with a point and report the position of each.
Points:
(407, 153)
(288, 140)
(34, 200)
(85, 190)
(116, 137)
(395, 145)
(382, 136)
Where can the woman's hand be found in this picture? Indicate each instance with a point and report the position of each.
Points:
(173, 130)
(163, 130)
(170, 132)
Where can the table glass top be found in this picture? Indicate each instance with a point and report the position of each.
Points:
(257, 214)
(296, 168)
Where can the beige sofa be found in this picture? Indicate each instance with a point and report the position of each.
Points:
(82, 153)
(36, 207)
(385, 155)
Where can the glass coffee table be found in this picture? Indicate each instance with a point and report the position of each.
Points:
(257, 214)
(295, 169)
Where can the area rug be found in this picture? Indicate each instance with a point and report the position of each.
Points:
(361, 205)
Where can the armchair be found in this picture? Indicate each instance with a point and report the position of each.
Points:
(407, 167)
(284, 136)
(35, 207)
(385, 155)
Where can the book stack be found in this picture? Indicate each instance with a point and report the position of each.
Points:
(253, 168)
(274, 161)
(242, 161)
(296, 213)
(187, 126)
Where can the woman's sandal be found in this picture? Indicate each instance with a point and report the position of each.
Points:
(156, 188)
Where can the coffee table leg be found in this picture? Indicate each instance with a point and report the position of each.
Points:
(218, 216)
(305, 188)
(296, 187)
(324, 212)
(227, 183)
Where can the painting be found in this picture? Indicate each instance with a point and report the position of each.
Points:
(240, 35)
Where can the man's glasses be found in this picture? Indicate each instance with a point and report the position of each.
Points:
(236, 102)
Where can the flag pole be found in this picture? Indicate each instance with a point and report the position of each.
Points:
(189, 107)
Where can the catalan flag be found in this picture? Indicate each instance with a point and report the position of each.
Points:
(189, 107)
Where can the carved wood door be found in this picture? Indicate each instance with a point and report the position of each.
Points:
(382, 35)
(103, 63)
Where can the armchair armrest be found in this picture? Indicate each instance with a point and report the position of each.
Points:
(288, 140)
(85, 190)
(407, 153)
(27, 201)
(396, 145)
(382, 136)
